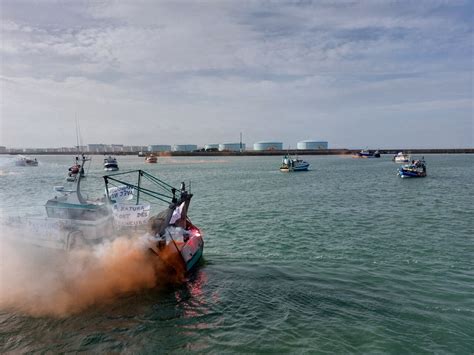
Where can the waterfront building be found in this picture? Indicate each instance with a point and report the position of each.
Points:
(115, 148)
(96, 148)
(3, 149)
(260, 146)
(159, 148)
(184, 147)
(312, 145)
(231, 147)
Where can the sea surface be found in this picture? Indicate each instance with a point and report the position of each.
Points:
(344, 258)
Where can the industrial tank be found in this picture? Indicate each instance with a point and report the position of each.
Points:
(268, 146)
(184, 147)
(312, 145)
(233, 147)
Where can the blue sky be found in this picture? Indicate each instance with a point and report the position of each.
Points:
(375, 74)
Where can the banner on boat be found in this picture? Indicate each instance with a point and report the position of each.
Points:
(131, 215)
(177, 213)
(121, 193)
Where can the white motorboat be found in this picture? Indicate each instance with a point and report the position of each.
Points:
(23, 160)
(110, 164)
(152, 159)
(402, 158)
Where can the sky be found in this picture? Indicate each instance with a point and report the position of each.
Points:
(358, 74)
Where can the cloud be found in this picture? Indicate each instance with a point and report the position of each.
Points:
(226, 66)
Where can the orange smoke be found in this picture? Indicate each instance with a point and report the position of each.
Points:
(39, 282)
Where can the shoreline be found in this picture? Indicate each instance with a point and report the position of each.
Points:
(264, 153)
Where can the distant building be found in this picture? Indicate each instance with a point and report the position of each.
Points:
(3, 149)
(133, 148)
(231, 147)
(96, 148)
(116, 148)
(184, 147)
(268, 146)
(312, 145)
(159, 148)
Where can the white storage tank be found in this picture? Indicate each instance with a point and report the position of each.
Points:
(159, 148)
(211, 146)
(233, 147)
(312, 145)
(184, 147)
(268, 146)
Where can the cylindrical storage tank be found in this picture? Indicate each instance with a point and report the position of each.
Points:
(184, 147)
(232, 147)
(268, 146)
(211, 146)
(312, 145)
(159, 148)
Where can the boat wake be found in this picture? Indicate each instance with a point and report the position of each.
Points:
(41, 282)
(7, 173)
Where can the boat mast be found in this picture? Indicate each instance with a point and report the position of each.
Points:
(77, 135)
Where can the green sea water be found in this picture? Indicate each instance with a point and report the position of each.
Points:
(344, 258)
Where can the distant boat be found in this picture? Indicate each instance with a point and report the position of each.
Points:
(402, 158)
(110, 164)
(141, 154)
(417, 168)
(152, 159)
(366, 154)
(289, 164)
(23, 160)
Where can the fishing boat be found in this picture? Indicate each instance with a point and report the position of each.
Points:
(110, 164)
(290, 164)
(417, 168)
(77, 169)
(23, 160)
(71, 220)
(402, 158)
(367, 154)
(172, 234)
(152, 159)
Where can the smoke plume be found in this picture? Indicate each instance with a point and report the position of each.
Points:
(39, 282)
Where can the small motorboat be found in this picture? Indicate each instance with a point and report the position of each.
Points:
(26, 161)
(366, 154)
(402, 158)
(110, 164)
(290, 164)
(417, 168)
(152, 159)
